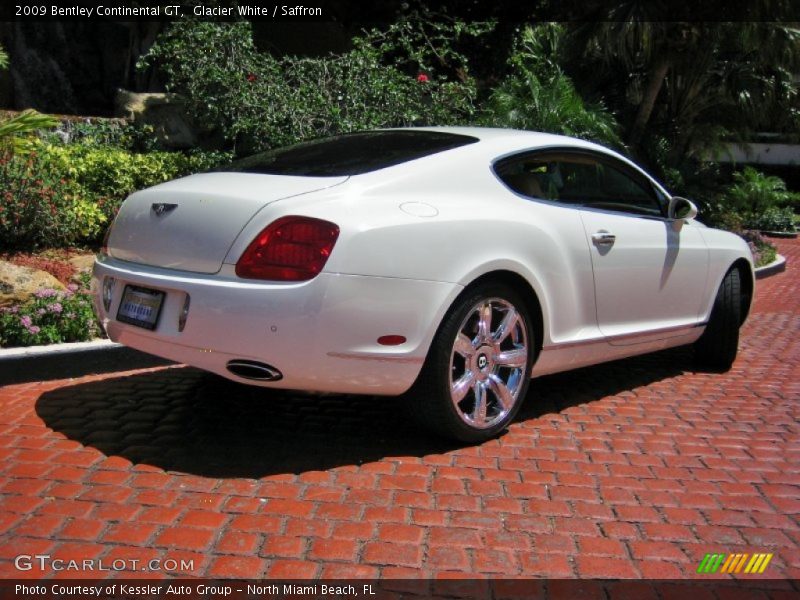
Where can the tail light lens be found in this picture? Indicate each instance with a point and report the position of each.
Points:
(290, 249)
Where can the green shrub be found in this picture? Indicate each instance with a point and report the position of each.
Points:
(105, 175)
(51, 316)
(104, 132)
(773, 219)
(60, 195)
(752, 192)
(37, 203)
(258, 101)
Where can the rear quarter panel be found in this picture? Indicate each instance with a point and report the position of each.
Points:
(473, 225)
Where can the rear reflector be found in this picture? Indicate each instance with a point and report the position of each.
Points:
(391, 340)
(290, 249)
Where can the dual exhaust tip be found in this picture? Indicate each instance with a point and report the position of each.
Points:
(252, 369)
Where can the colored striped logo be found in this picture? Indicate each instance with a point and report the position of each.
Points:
(734, 563)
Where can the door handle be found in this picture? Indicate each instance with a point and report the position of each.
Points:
(603, 238)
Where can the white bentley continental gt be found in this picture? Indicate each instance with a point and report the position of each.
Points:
(454, 263)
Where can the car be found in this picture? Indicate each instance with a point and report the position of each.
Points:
(449, 264)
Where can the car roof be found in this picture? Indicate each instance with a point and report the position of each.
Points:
(501, 142)
(515, 139)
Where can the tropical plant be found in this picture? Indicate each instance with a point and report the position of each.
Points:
(16, 131)
(752, 192)
(538, 95)
(692, 83)
(259, 101)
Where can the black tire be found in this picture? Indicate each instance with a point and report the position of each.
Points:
(716, 349)
(487, 365)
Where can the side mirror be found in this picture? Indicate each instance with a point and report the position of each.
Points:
(681, 208)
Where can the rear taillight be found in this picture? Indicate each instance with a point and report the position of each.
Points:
(290, 249)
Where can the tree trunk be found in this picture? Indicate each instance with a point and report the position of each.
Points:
(654, 84)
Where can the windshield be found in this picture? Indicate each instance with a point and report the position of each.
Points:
(350, 154)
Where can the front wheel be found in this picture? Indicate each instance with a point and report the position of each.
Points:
(717, 347)
(477, 370)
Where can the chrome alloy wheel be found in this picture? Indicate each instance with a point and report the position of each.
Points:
(488, 363)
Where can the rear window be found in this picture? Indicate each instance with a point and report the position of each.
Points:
(350, 154)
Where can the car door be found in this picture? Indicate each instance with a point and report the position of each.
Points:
(649, 271)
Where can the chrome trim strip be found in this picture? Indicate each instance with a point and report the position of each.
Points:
(628, 336)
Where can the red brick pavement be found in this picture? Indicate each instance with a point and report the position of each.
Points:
(633, 469)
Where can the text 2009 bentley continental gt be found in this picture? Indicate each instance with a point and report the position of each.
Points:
(453, 262)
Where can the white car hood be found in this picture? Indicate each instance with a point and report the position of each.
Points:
(200, 217)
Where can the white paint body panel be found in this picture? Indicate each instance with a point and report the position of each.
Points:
(412, 237)
(210, 211)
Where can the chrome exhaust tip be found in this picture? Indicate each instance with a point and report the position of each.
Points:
(252, 369)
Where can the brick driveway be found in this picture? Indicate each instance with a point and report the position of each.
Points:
(634, 469)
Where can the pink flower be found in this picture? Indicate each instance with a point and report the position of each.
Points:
(34, 330)
(26, 321)
(422, 78)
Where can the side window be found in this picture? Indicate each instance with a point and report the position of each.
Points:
(531, 176)
(622, 189)
(580, 179)
(598, 183)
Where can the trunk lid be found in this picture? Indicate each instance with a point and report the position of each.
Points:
(189, 224)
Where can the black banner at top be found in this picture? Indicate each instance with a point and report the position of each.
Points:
(372, 12)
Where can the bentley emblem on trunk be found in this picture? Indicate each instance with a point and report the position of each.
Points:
(161, 208)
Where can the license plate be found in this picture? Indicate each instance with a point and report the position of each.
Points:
(140, 306)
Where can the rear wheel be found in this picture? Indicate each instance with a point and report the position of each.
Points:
(477, 370)
(717, 347)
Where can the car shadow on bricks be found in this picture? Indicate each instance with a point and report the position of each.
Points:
(555, 393)
(181, 419)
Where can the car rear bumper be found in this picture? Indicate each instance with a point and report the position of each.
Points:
(320, 334)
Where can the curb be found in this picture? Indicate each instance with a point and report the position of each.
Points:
(776, 266)
(50, 349)
(76, 359)
(786, 235)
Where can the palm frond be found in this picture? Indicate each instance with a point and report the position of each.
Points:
(15, 131)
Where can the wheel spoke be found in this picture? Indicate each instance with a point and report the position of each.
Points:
(485, 322)
(502, 392)
(460, 387)
(507, 325)
(463, 346)
(479, 413)
(516, 358)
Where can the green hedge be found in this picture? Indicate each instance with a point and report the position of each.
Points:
(61, 195)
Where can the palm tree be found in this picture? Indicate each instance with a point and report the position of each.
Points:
(539, 96)
(689, 82)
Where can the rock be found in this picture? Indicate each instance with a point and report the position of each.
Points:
(18, 284)
(165, 112)
(83, 263)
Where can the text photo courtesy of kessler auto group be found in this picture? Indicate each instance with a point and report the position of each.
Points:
(399, 300)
